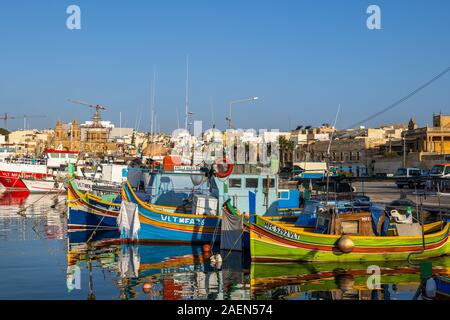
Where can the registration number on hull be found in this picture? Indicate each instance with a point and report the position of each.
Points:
(282, 232)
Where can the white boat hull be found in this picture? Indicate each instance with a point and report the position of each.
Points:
(43, 186)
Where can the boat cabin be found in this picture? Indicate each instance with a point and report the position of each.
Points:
(253, 193)
(250, 192)
(364, 223)
(58, 158)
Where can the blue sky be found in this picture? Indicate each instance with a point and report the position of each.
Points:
(302, 58)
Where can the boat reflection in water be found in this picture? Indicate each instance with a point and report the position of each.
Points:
(157, 271)
(13, 198)
(340, 281)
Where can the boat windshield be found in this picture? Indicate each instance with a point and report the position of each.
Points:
(437, 170)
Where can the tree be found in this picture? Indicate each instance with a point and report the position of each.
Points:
(286, 147)
(4, 132)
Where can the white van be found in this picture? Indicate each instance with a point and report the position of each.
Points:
(408, 177)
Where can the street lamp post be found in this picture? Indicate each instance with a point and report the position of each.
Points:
(230, 123)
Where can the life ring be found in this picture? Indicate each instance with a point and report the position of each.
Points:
(227, 172)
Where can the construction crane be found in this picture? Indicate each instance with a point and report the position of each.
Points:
(97, 107)
(6, 117)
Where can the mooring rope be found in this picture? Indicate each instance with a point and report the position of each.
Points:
(95, 230)
(215, 232)
(20, 212)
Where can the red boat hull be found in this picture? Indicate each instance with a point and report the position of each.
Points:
(11, 180)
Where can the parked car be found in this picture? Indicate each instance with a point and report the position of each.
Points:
(411, 177)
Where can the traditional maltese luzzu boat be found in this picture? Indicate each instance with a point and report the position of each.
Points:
(347, 237)
(165, 224)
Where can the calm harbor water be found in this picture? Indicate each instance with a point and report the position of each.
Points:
(40, 260)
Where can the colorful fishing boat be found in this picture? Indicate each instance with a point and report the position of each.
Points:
(167, 224)
(345, 238)
(87, 211)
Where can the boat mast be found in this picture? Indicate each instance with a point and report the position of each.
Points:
(328, 153)
(152, 103)
(187, 94)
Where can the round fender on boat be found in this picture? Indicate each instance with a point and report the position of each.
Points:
(206, 248)
(345, 244)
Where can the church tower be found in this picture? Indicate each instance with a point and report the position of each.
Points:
(76, 131)
(60, 134)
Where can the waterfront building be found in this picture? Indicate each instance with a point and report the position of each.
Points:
(30, 142)
(434, 139)
(354, 151)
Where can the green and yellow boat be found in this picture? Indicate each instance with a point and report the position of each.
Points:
(346, 237)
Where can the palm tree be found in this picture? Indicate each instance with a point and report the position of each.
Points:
(286, 148)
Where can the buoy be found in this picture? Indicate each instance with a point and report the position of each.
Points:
(206, 248)
(147, 287)
(206, 255)
(345, 244)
